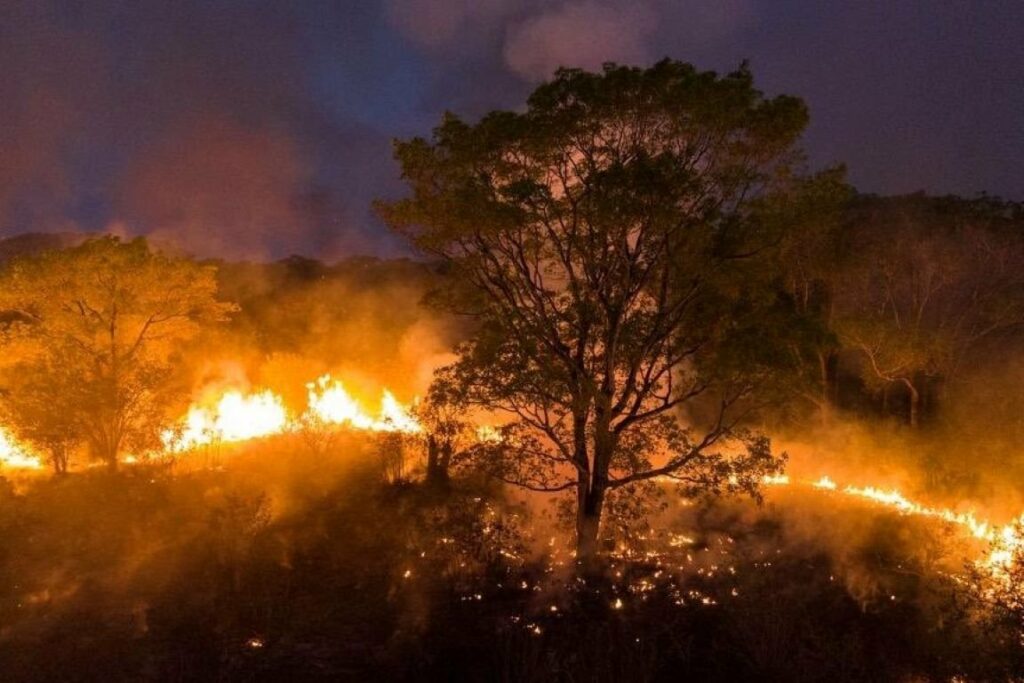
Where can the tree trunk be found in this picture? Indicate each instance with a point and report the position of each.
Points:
(438, 459)
(915, 403)
(590, 503)
(112, 449)
(102, 450)
(62, 461)
(446, 459)
(59, 460)
(433, 454)
(825, 404)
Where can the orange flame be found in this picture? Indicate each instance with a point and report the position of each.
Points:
(240, 417)
(330, 403)
(16, 455)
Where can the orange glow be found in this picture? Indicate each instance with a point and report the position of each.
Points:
(236, 417)
(1003, 541)
(330, 403)
(15, 455)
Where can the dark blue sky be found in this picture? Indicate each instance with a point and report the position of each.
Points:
(259, 129)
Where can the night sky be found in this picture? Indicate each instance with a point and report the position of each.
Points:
(261, 129)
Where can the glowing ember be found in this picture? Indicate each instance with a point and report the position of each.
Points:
(15, 455)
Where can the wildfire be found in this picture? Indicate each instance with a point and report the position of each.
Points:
(330, 403)
(239, 417)
(489, 434)
(15, 455)
(1003, 540)
(235, 417)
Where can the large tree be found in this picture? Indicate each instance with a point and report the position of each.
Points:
(93, 332)
(612, 242)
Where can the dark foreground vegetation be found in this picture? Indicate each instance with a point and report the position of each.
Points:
(251, 572)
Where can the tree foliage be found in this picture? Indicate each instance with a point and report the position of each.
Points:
(611, 240)
(93, 332)
(927, 282)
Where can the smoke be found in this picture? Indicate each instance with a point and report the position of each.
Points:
(242, 180)
(437, 24)
(245, 130)
(193, 122)
(534, 38)
(584, 35)
(44, 90)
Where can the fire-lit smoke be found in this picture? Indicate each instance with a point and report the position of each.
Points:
(246, 180)
(1002, 540)
(197, 123)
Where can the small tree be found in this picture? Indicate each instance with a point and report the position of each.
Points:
(610, 241)
(39, 404)
(446, 430)
(96, 329)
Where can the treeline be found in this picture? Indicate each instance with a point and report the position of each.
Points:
(912, 295)
(905, 303)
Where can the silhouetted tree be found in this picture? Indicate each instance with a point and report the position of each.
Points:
(610, 242)
(809, 260)
(446, 429)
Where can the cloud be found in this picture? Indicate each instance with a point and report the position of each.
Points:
(46, 84)
(439, 23)
(580, 34)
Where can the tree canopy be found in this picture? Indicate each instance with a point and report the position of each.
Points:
(92, 331)
(612, 242)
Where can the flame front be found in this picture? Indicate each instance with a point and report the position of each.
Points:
(330, 403)
(1004, 541)
(239, 417)
(236, 417)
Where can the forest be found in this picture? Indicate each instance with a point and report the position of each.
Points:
(649, 400)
